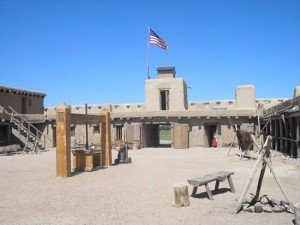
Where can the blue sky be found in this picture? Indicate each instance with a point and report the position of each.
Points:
(95, 51)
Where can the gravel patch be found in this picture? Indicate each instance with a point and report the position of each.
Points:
(137, 193)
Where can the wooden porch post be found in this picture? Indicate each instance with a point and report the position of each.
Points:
(286, 132)
(281, 136)
(102, 127)
(105, 138)
(63, 150)
(276, 133)
(293, 137)
(108, 158)
(298, 137)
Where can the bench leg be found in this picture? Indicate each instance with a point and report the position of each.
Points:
(217, 185)
(210, 196)
(232, 189)
(194, 191)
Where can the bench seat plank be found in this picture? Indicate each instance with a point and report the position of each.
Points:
(220, 176)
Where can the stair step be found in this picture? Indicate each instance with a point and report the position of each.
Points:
(23, 134)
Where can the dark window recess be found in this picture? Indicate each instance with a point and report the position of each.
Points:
(29, 102)
(96, 129)
(72, 131)
(119, 132)
(164, 100)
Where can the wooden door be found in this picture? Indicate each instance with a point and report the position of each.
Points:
(180, 135)
(133, 133)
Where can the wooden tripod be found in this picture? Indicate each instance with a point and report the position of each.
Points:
(264, 158)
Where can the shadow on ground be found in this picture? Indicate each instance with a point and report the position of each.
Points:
(214, 192)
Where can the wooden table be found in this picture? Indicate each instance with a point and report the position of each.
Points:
(86, 159)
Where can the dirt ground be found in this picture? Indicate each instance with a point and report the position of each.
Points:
(136, 193)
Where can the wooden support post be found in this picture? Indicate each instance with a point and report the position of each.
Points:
(293, 136)
(194, 191)
(63, 151)
(103, 142)
(276, 134)
(217, 185)
(210, 196)
(261, 177)
(286, 135)
(86, 129)
(108, 157)
(106, 140)
(281, 136)
(272, 132)
(298, 137)
(232, 189)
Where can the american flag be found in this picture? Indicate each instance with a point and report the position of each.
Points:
(157, 40)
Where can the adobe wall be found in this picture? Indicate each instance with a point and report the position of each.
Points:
(34, 105)
(177, 94)
(225, 133)
(245, 97)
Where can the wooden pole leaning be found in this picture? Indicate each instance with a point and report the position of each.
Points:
(264, 157)
(250, 179)
(266, 154)
(63, 148)
(279, 184)
(231, 145)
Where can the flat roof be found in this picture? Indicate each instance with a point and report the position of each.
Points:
(22, 91)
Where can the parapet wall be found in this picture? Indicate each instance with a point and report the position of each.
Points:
(264, 103)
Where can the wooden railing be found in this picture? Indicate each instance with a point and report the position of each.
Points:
(28, 127)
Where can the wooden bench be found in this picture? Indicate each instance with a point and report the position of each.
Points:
(218, 177)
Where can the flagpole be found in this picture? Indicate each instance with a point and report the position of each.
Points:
(148, 74)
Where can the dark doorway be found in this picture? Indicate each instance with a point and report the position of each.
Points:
(165, 135)
(24, 105)
(4, 137)
(164, 100)
(150, 135)
(211, 130)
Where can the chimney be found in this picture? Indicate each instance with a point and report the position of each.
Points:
(166, 72)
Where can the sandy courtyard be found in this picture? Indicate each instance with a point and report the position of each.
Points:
(136, 193)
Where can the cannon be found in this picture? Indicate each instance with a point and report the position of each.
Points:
(123, 155)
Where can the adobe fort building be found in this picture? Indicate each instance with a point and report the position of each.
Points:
(18, 106)
(166, 103)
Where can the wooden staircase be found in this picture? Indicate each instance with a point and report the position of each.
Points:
(32, 138)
